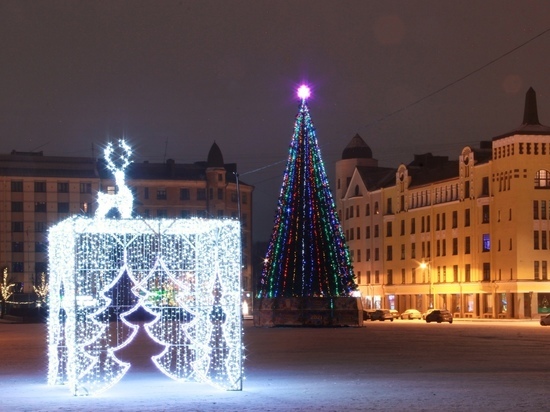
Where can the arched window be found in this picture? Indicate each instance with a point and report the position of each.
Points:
(542, 179)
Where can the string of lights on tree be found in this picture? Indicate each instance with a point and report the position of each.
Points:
(184, 273)
(307, 255)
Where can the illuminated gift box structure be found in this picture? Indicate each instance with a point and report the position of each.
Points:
(185, 273)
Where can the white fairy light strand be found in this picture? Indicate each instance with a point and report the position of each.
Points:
(183, 272)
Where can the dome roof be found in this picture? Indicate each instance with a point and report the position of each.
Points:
(357, 149)
(215, 158)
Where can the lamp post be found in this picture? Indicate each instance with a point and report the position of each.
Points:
(425, 266)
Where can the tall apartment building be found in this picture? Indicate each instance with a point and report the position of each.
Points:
(470, 235)
(38, 191)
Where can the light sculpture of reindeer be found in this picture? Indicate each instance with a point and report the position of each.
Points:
(123, 199)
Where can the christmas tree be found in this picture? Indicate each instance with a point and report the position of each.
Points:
(307, 255)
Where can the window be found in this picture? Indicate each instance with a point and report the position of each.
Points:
(16, 206)
(389, 253)
(63, 207)
(376, 231)
(428, 223)
(211, 193)
(485, 186)
(40, 227)
(17, 226)
(17, 186)
(455, 246)
(85, 208)
(161, 194)
(438, 248)
(443, 221)
(542, 179)
(389, 206)
(536, 270)
(467, 245)
(444, 247)
(358, 233)
(185, 214)
(413, 226)
(402, 232)
(234, 197)
(185, 194)
(413, 274)
(486, 272)
(40, 267)
(376, 209)
(358, 255)
(40, 207)
(402, 252)
(467, 217)
(390, 277)
(220, 194)
(201, 213)
(17, 247)
(39, 187)
(455, 219)
(467, 274)
(85, 188)
(63, 187)
(535, 209)
(162, 213)
(201, 194)
(376, 254)
(543, 209)
(466, 189)
(367, 233)
(544, 243)
(536, 240)
(368, 255)
(486, 242)
(544, 270)
(244, 198)
(413, 250)
(389, 229)
(437, 222)
(367, 210)
(455, 273)
(40, 247)
(17, 267)
(485, 214)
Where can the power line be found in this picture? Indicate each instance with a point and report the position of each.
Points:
(458, 80)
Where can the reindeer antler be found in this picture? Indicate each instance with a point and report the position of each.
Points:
(124, 157)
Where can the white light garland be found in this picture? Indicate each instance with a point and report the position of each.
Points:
(183, 272)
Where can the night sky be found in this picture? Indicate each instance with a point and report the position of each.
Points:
(174, 76)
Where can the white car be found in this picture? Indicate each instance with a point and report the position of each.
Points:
(411, 314)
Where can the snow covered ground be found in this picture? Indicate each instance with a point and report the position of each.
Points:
(398, 366)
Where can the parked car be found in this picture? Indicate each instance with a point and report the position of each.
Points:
(367, 313)
(411, 314)
(439, 315)
(382, 315)
(424, 314)
(394, 313)
(545, 320)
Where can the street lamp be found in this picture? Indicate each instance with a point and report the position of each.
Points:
(425, 266)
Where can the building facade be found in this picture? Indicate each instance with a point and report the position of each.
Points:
(469, 235)
(38, 191)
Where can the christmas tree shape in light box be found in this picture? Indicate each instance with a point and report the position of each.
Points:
(185, 273)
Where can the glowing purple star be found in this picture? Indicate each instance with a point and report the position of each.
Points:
(303, 92)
